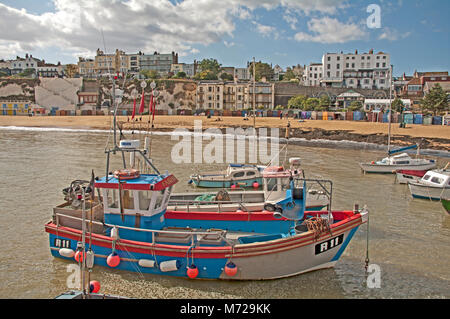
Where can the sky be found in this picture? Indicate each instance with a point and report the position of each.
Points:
(283, 32)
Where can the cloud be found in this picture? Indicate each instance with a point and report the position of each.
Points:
(228, 44)
(266, 30)
(393, 35)
(330, 30)
(139, 25)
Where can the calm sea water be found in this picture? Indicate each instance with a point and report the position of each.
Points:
(409, 238)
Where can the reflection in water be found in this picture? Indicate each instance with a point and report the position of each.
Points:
(409, 239)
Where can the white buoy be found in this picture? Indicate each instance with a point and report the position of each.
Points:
(115, 233)
(89, 259)
(170, 265)
(66, 252)
(147, 263)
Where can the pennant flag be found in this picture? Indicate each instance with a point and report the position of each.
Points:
(134, 110)
(154, 108)
(150, 106)
(141, 108)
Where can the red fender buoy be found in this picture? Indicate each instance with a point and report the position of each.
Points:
(192, 271)
(94, 286)
(78, 256)
(113, 260)
(233, 186)
(255, 185)
(230, 269)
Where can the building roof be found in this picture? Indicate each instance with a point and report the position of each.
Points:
(444, 84)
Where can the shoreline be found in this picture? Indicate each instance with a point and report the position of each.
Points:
(434, 137)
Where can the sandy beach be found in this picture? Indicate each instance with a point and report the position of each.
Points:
(429, 136)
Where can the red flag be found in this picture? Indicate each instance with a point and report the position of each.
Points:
(134, 110)
(150, 106)
(141, 108)
(154, 108)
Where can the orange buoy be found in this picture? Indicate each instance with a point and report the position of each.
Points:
(94, 286)
(79, 256)
(113, 260)
(192, 271)
(233, 186)
(373, 162)
(230, 269)
(255, 185)
(127, 173)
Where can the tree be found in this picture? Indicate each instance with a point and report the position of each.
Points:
(226, 77)
(297, 102)
(180, 75)
(261, 70)
(205, 75)
(149, 74)
(325, 101)
(355, 106)
(210, 65)
(289, 75)
(436, 100)
(311, 104)
(397, 105)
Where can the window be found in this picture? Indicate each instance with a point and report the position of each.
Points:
(378, 65)
(328, 66)
(426, 177)
(436, 180)
(338, 66)
(238, 174)
(338, 58)
(329, 58)
(337, 73)
(328, 74)
(346, 65)
(250, 173)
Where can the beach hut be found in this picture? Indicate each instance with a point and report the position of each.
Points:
(408, 118)
(437, 120)
(418, 118)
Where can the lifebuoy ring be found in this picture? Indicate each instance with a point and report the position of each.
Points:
(127, 173)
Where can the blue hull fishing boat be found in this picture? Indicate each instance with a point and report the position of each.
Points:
(121, 221)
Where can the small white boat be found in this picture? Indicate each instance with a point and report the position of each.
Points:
(391, 164)
(404, 176)
(434, 185)
(236, 175)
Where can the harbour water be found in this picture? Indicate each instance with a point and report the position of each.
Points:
(409, 239)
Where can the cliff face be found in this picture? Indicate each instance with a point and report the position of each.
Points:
(18, 89)
(173, 94)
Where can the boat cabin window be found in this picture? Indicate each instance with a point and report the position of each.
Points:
(426, 177)
(272, 184)
(401, 162)
(250, 173)
(285, 184)
(113, 199)
(437, 180)
(239, 174)
(159, 199)
(144, 199)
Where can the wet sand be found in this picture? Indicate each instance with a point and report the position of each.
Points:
(429, 136)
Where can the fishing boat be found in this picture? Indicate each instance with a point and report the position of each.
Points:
(274, 192)
(434, 185)
(129, 227)
(236, 175)
(404, 176)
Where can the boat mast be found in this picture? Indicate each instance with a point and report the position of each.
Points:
(390, 110)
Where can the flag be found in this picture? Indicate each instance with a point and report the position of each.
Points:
(134, 110)
(141, 108)
(150, 106)
(154, 107)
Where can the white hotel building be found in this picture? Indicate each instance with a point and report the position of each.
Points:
(365, 71)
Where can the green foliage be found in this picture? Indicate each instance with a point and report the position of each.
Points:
(26, 73)
(180, 75)
(226, 77)
(311, 104)
(262, 70)
(205, 75)
(436, 100)
(210, 65)
(279, 107)
(149, 74)
(297, 102)
(355, 106)
(289, 75)
(397, 105)
(325, 101)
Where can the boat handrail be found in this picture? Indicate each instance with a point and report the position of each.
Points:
(145, 230)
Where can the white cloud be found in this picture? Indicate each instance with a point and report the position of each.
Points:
(330, 30)
(139, 25)
(266, 30)
(393, 35)
(229, 44)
